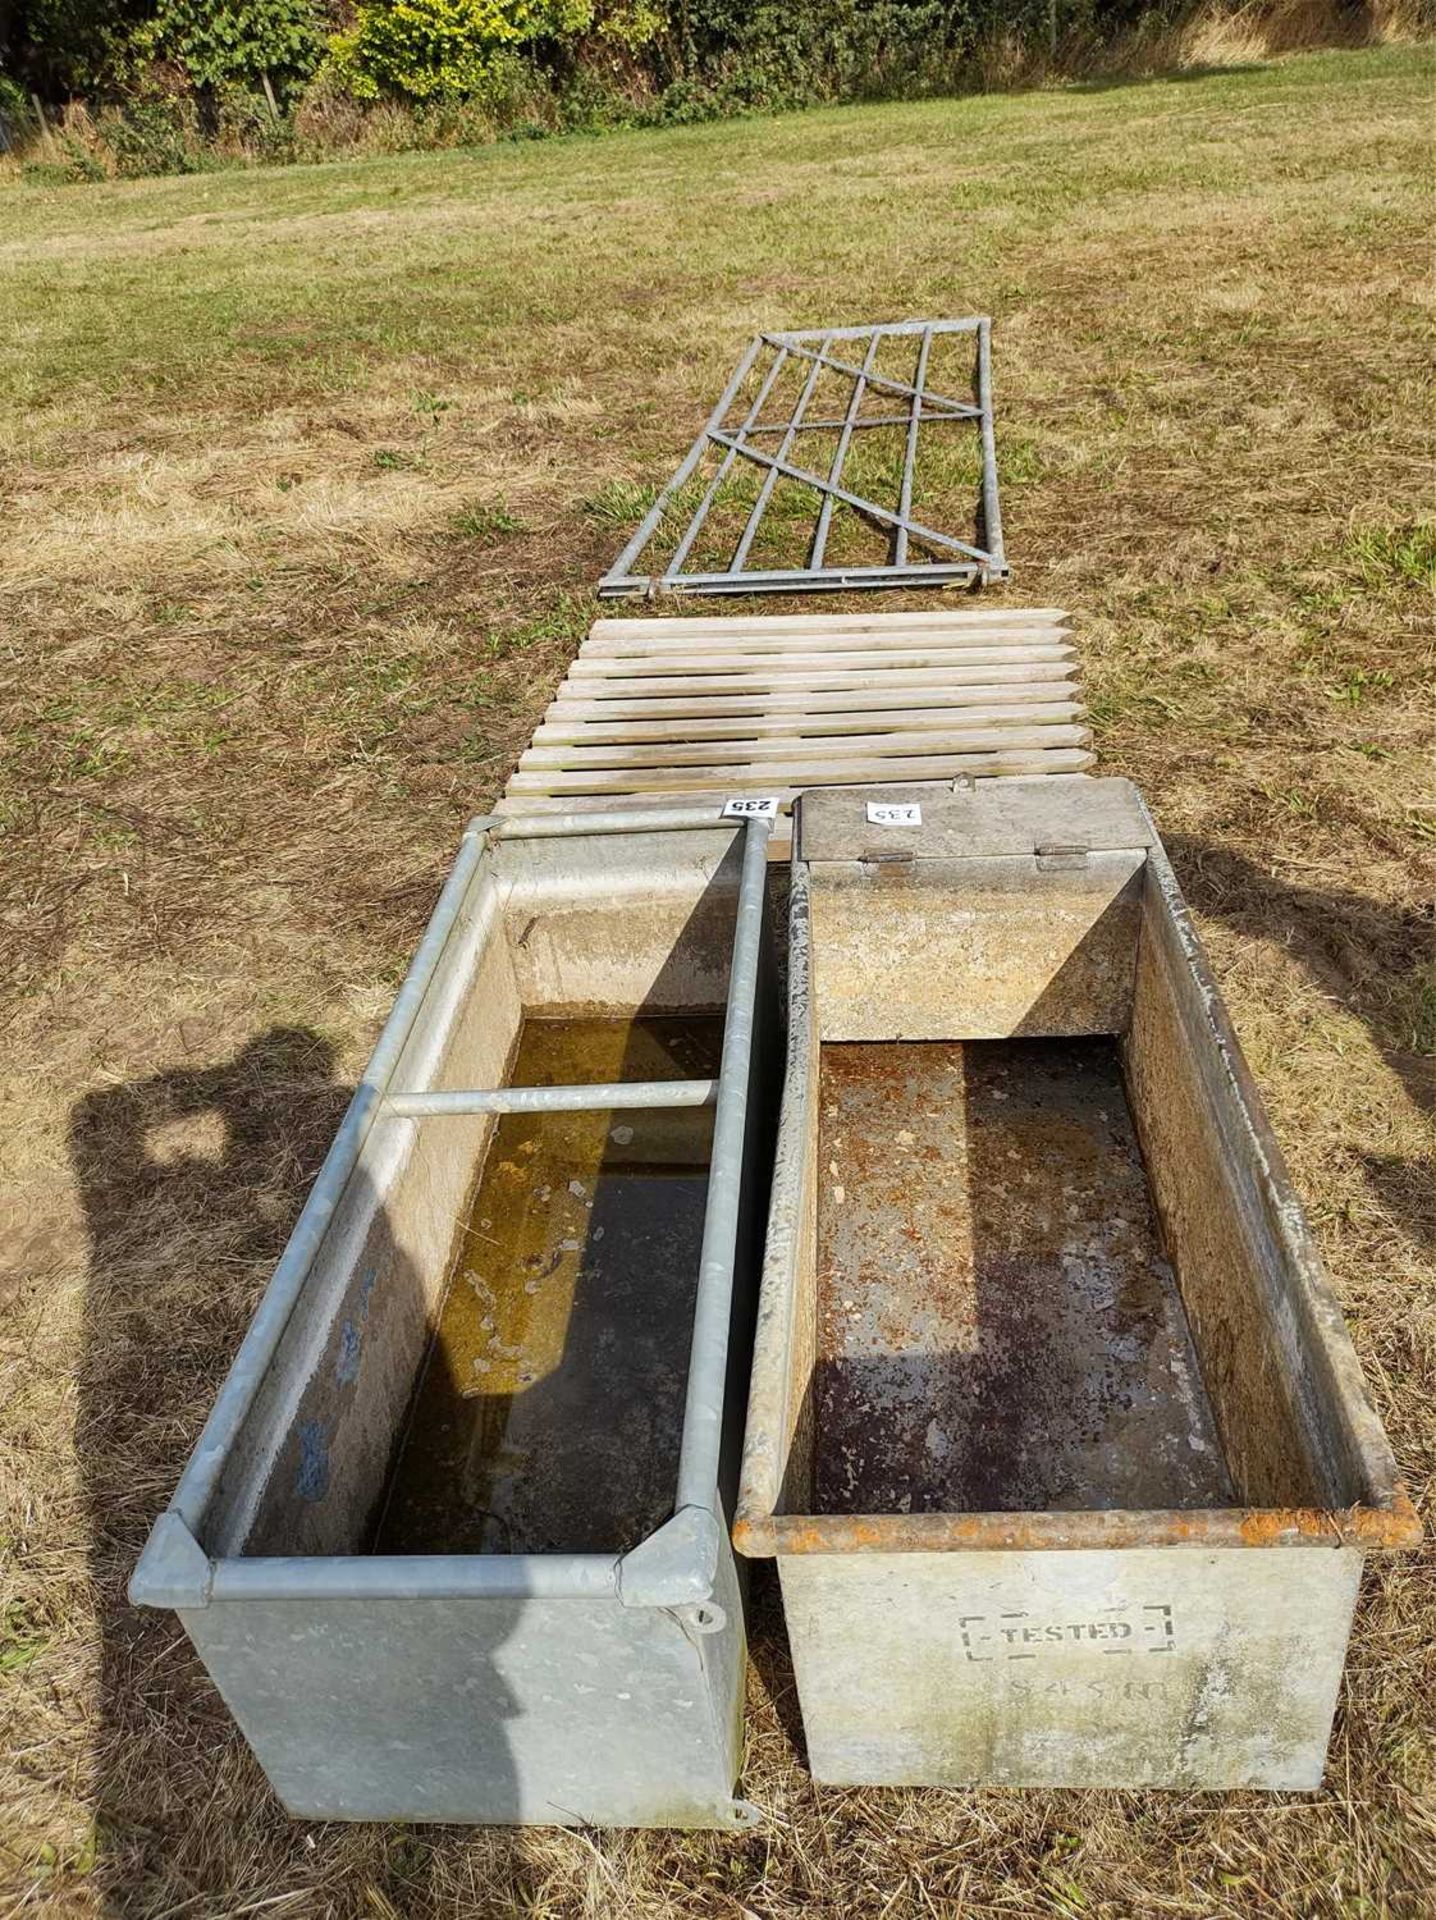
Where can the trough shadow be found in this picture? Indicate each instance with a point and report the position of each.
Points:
(771, 1653)
(1357, 950)
(188, 1181)
(191, 1181)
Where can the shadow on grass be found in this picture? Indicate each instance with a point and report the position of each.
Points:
(1368, 955)
(190, 1181)
(1165, 76)
(187, 1180)
(771, 1653)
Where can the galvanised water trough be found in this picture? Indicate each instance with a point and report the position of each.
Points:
(454, 1543)
(1055, 1428)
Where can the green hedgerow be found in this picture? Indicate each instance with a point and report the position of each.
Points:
(442, 49)
(234, 43)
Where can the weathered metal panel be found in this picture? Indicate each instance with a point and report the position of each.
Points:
(1146, 1667)
(993, 821)
(492, 1711)
(899, 953)
(1011, 909)
(1278, 1361)
(603, 923)
(996, 1326)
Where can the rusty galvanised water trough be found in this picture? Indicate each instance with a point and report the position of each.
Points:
(1055, 1429)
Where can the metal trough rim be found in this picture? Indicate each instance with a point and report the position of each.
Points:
(762, 1535)
(676, 1565)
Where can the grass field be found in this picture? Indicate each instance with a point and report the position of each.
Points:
(305, 478)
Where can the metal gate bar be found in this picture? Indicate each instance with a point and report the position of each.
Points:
(840, 453)
(946, 559)
(691, 534)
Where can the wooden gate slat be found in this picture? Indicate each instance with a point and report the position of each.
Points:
(711, 706)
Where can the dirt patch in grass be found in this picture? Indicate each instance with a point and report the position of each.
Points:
(304, 482)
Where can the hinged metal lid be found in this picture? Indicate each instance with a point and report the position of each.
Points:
(997, 819)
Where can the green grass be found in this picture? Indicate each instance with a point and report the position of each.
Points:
(1395, 555)
(297, 281)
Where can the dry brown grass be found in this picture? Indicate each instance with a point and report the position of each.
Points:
(273, 624)
(1216, 34)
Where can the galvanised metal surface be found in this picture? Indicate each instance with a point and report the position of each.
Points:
(1041, 1444)
(844, 357)
(601, 1687)
(636, 1093)
(1157, 1667)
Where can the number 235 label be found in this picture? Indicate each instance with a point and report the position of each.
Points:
(891, 813)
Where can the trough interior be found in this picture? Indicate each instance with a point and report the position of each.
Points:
(392, 1415)
(549, 1411)
(997, 1328)
(1041, 1263)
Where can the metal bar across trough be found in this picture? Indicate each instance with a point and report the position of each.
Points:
(620, 1093)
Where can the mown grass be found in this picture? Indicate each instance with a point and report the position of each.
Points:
(305, 480)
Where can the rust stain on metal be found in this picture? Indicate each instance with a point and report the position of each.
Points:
(997, 1328)
(1372, 1528)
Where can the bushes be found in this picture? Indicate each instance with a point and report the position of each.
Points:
(443, 49)
(234, 45)
(773, 55)
(511, 96)
(169, 86)
(156, 133)
(174, 85)
(70, 47)
(17, 116)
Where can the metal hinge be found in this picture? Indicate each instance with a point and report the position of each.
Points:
(1059, 856)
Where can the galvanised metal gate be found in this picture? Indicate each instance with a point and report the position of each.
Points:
(742, 433)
